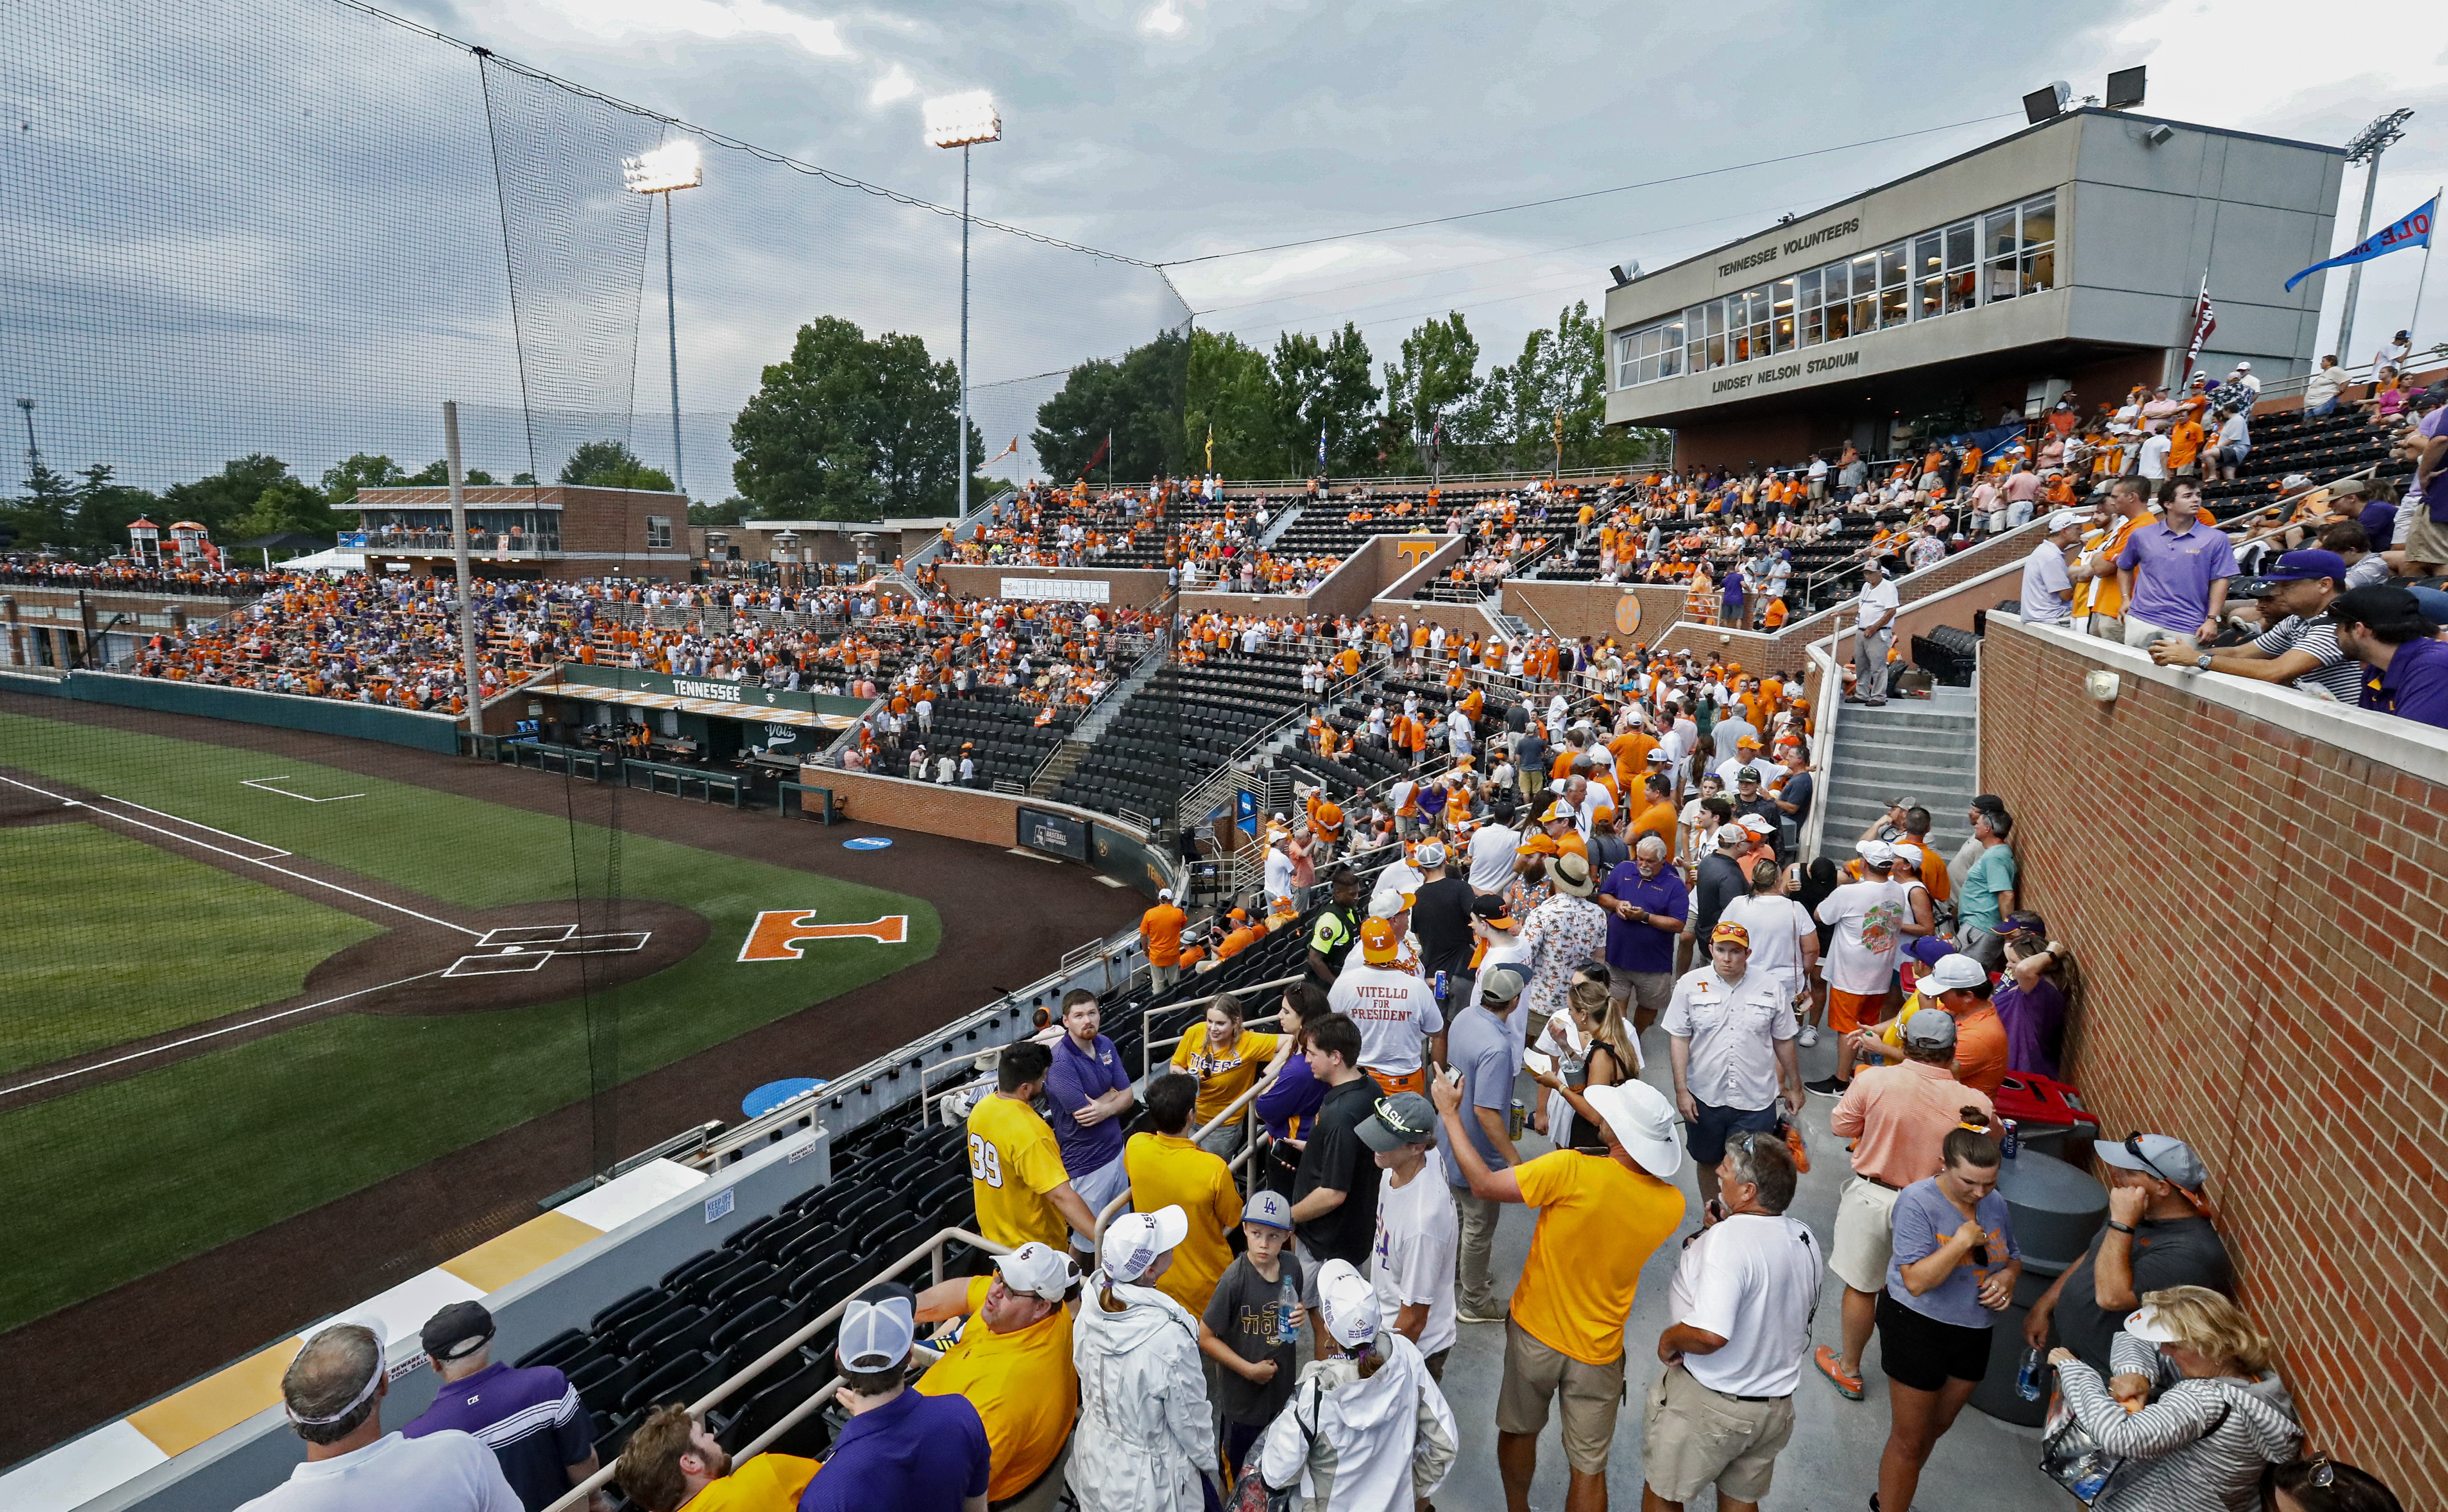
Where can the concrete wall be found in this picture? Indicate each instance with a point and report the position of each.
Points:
(985, 818)
(2266, 967)
(286, 711)
(1595, 609)
(1131, 587)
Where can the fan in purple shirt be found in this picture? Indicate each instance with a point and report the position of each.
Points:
(531, 1418)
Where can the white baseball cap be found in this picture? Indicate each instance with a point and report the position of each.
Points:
(1955, 971)
(1135, 1241)
(1039, 1270)
(1643, 1122)
(1347, 1304)
(2064, 520)
(1876, 852)
(878, 1329)
(2145, 1324)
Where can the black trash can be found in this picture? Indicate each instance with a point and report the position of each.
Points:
(2055, 1209)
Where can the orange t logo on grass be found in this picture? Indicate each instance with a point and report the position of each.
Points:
(777, 933)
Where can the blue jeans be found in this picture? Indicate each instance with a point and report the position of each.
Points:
(1706, 1138)
(2327, 406)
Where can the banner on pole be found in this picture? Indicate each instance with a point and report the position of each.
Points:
(2410, 230)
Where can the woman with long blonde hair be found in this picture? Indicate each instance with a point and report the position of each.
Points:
(2195, 1407)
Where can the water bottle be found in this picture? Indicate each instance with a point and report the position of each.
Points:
(2013, 1143)
(2027, 1380)
(1285, 1306)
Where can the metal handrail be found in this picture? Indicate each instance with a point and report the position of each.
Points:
(578, 1495)
(1247, 1099)
(1147, 1015)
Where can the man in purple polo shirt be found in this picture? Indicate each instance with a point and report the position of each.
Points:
(2385, 629)
(1646, 906)
(901, 1449)
(531, 1420)
(2174, 574)
(1087, 1089)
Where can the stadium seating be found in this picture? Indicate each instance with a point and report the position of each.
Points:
(2319, 448)
(1182, 725)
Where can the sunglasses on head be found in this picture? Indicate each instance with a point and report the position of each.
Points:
(2133, 1148)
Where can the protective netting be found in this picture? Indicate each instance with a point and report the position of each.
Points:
(272, 1035)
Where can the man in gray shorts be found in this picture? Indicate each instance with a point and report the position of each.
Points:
(1646, 905)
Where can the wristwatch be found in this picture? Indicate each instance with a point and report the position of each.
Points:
(2203, 662)
(2121, 1228)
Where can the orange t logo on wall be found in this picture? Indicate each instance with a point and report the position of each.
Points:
(1413, 551)
(777, 933)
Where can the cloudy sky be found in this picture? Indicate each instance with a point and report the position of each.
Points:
(1167, 130)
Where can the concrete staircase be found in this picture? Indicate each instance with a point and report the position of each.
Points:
(1074, 749)
(1922, 749)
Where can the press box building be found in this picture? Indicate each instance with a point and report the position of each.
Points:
(2068, 255)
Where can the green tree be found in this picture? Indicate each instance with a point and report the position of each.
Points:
(437, 474)
(105, 509)
(1139, 400)
(727, 512)
(214, 502)
(1226, 387)
(1437, 377)
(361, 470)
(593, 465)
(285, 505)
(45, 514)
(1352, 424)
(850, 429)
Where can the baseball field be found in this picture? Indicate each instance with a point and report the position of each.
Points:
(239, 985)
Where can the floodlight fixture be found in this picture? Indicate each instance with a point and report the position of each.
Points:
(2125, 88)
(2047, 101)
(673, 165)
(962, 120)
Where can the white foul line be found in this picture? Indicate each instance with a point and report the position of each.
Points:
(266, 785)
(252, 860)
(195, 1038)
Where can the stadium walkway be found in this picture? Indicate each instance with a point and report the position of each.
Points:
(1831, 1465)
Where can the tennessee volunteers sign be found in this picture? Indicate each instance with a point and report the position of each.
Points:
(1413, 552)
(1627, 615)
(777, 933)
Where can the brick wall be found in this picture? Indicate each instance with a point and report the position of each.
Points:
(958, 813)
(2252, 883)
(1577, 609)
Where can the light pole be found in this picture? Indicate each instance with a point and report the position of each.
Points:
(2367, 147)
(33, 453)
(673, 165)
(962, 121)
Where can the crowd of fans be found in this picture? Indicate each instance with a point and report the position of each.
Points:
(2345, 602)
(1158, 1332)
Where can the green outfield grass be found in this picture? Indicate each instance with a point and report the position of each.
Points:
(91, 958)
(114, 1181)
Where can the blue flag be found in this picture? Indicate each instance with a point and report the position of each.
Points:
(2413, 231)
(1321, 446)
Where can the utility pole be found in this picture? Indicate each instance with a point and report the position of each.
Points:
(33, 453)
(2367, 147)
(459, 559)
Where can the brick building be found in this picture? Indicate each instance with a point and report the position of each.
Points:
(2252, 882)
(550, 531)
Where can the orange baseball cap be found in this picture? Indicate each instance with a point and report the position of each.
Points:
(1378, 945)
(1731, 934)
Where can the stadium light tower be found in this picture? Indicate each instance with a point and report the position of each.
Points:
(2367, 147)
(962, 121)
(672, 166)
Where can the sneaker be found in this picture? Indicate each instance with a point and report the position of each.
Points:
(1848, 1386)
(1826, 1087)
(1809, 1037)
(1464, 1314)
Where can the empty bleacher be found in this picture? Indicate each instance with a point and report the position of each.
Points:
(2322, 449)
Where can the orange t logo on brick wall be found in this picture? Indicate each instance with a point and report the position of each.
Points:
(1413, 552)
(777, 933)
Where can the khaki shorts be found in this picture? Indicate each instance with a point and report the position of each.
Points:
(1866, 1215)
(1591, 1393)
(1691, 1437)
(2426, 545)
(1653, 990)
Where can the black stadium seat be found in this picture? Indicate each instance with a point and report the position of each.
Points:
(685, 1379)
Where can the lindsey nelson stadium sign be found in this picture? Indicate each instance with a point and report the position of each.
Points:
(1787, 372)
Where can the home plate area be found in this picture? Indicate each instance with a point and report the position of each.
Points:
(532, 947)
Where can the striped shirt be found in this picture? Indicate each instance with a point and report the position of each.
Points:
(2338, 673)
(531, 1420)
